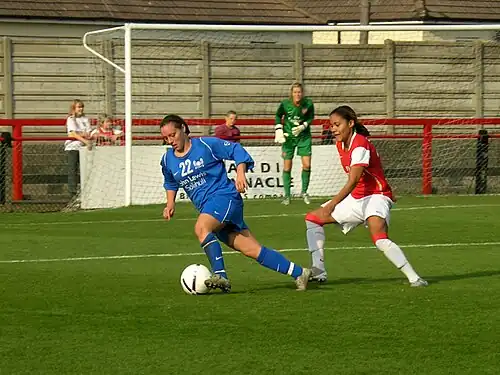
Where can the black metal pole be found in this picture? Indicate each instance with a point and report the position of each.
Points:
(482, 162)
(5, 142)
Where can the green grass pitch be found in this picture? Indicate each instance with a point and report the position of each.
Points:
(98, 293)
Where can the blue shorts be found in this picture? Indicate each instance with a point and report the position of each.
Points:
(229, 212)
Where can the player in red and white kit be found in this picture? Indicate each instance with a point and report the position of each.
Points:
(365, 199)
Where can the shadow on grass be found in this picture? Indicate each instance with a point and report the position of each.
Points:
(431, 279)
(359, 280)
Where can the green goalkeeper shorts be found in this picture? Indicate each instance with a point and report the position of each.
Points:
(303, 146)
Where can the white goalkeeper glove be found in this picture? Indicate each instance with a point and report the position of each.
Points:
(296, 130)
(279, 136)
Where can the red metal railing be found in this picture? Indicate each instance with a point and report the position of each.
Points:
(426, 126)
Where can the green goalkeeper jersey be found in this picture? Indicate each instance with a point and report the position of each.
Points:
(296, 115)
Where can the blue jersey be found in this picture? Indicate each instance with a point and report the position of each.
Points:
(201, 172)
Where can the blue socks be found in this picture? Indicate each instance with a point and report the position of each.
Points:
(268, 258)
(213, 249)
(277, 262)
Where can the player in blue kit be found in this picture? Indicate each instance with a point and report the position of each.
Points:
(196, 165)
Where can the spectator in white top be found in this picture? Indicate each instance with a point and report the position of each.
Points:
(78, 127)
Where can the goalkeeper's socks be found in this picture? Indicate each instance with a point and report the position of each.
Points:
(306, 177)
(277, 262)
(213, 249)
(315, 235)
(394, 253)
(287, 182)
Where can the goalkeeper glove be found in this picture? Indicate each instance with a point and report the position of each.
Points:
(296, 130)
(279, 136)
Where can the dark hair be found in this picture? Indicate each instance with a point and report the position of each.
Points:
(348, 114)
(178, 122)
(231, 113)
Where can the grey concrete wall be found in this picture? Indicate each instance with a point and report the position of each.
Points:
(39, 77)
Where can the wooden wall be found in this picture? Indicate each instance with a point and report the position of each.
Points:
(40, 77)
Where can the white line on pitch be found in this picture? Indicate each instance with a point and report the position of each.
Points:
(5, 225)
(169, 255)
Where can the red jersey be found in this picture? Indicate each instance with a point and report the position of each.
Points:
(230, 134)
(362, 152)
(103, 136)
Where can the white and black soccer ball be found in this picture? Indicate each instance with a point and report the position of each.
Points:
(193, 279)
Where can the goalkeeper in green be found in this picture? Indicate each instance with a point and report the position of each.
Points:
(293, 131)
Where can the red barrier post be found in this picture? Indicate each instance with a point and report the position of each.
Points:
(17, 162)
(427, 159)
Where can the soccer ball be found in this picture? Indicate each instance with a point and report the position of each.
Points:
(193, 279)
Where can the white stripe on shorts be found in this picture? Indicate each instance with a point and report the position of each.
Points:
(227, 212)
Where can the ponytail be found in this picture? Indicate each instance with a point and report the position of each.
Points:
(361, 129)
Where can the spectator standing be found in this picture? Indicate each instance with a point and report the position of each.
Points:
(229, 131)
(78, 128)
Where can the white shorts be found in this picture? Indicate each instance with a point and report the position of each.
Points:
(352, 212)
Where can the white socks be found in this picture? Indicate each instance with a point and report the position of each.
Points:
(316, 243)
(394, 253)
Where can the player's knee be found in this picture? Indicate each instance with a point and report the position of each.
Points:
(201, 232)
(311, 218)
(287, 165)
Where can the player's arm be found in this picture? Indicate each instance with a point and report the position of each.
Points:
(279, 136)
(280, 112)
(309, 115)
(354, 176)
(171, 186)
(225, 150)
(241, 178)
(360, 159)
(307, 119)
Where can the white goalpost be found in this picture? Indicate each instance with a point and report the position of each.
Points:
(142, 71)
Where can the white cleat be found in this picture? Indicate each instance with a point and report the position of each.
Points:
(318, 275)
(303, 279)
(306, 198)
(419, 283)
(285, 201)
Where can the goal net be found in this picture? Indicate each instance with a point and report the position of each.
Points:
(202, 74)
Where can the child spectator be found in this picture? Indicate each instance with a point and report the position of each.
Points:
(78, 128)
(228, 131)
(105, 134)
